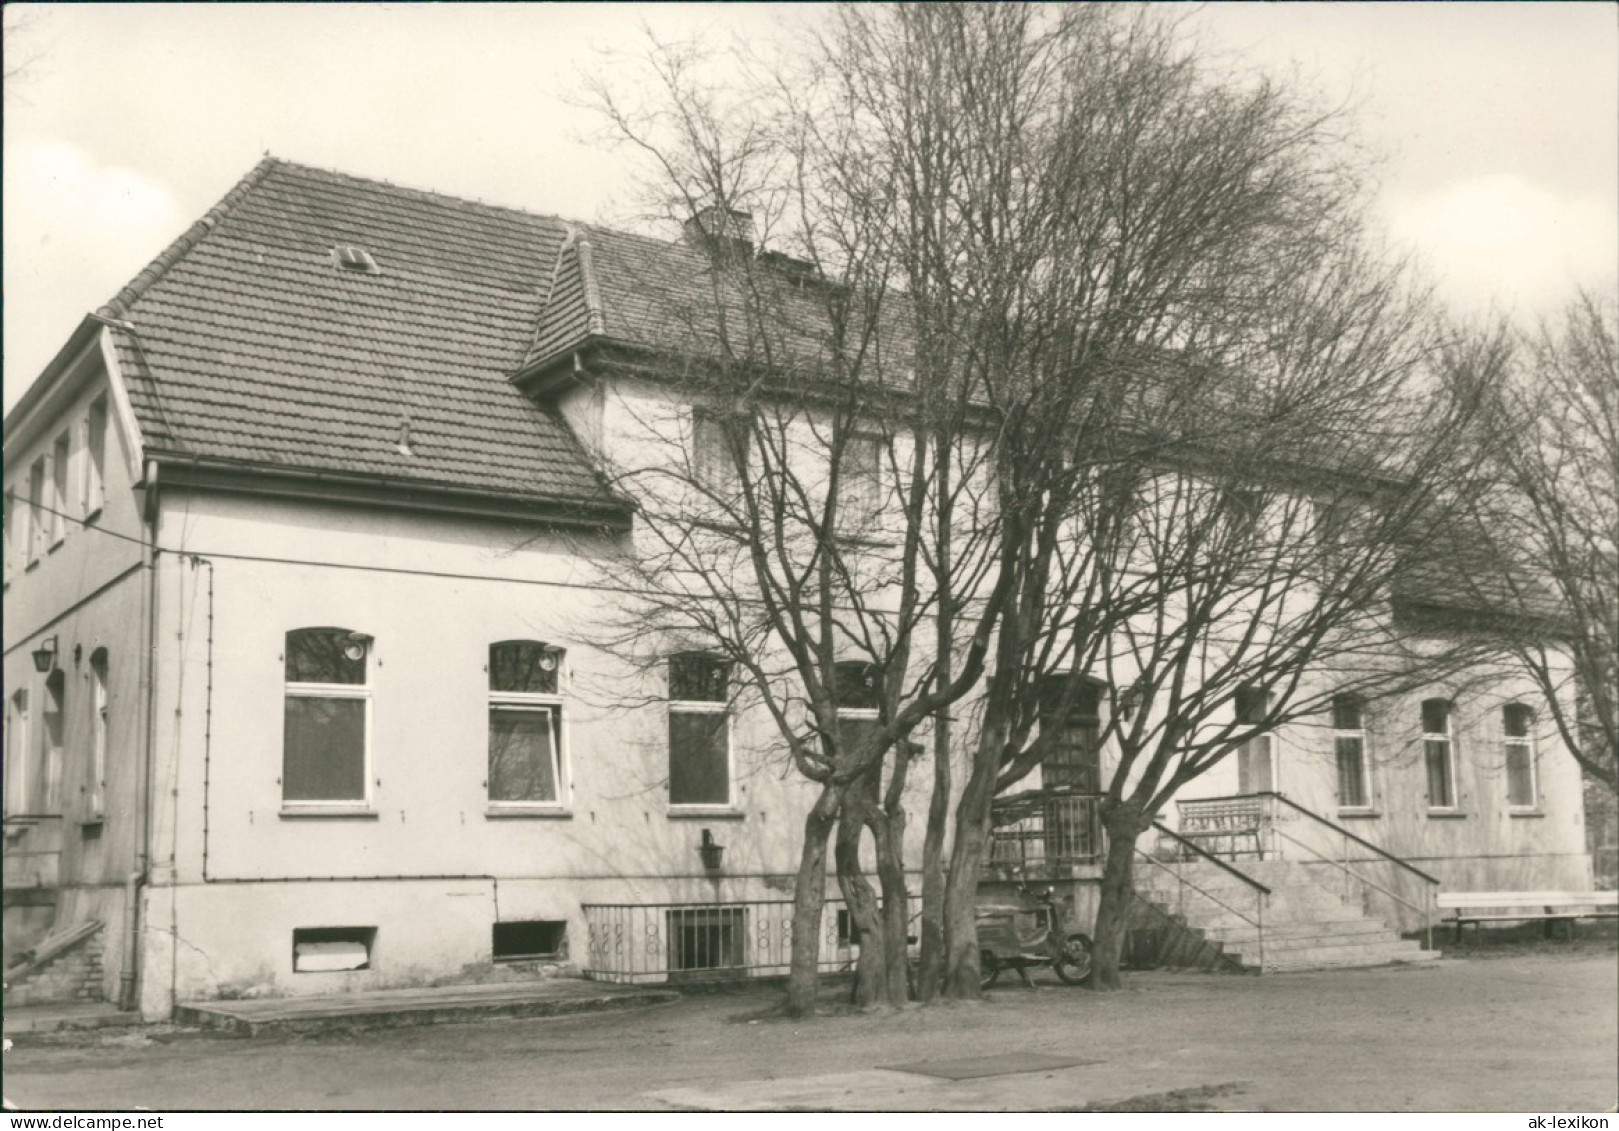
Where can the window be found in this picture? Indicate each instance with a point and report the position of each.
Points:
(1256, 764)
(699, 730)
(1517, 729)
(317, 950)
(1349, 750)
(719, 450)
(38, 529)
(1074, 761)
(857, 692)
(706, 938)
(12, 555)
(1242, 508)
(61, 486)
(1438, 754)
(326, 743)
(55, 720)
(538, 938)
(17, 751)
(95, 458)
(96, 791)
(525, 732)
(860, 481)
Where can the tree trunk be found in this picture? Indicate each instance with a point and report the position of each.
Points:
(966, 864)
(1124, 824)
(865, 917)
(809, 900)
(888, 828)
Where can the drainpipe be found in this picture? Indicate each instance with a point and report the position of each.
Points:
(129, 976)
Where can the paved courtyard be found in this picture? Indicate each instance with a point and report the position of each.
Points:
(1531, 1033)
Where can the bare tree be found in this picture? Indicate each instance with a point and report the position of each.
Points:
(1139, 298)
(1544, 551)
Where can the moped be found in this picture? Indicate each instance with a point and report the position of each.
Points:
(1029, 934)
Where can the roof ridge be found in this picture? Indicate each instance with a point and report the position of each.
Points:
(418, 190)
(119, 305)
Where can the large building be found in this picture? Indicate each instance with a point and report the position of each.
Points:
(304, 689)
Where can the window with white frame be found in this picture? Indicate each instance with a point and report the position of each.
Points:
(1518, 739)
(1439, 753)
(699, 730)
(12, 554)
(1256, 762)
(95, 458)
(326, 744)
(857, 693)
(96, 788)
(525, 724)
(17, 754)
(860, 481)
(719, 450)
(54, 733)
(1349, 752)
(61, 485)
(38, 525)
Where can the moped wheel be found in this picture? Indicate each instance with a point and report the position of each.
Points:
(1073, 965)
(988, 969)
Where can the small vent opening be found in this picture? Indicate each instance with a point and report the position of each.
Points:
(536, 938)
(356, 259)
(319, 949)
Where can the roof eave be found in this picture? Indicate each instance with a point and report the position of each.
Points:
(201, 473)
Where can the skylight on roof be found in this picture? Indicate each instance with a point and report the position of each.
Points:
(355, 259)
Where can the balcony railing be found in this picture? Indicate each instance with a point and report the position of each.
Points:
(1045, 828)
(1229, 827)
(667, 942)
(33, 851)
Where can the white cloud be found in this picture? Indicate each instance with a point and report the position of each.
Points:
(76, 231)
(1506, 241)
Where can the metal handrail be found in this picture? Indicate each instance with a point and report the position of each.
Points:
(1362, 841)
(1348, 871)
(1258, 924)
(1207, 855)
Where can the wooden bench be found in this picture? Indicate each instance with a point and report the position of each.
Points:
(1478, 907)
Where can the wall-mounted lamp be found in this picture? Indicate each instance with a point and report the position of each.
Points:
(78, 654)
(712, 852)
(45, 655)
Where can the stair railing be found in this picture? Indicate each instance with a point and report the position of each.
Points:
(1260, 891)
(1427, 910)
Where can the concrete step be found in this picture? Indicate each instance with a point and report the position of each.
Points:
(55, 1018)
(1362, 928)
(1346, 954)
(394, 1008)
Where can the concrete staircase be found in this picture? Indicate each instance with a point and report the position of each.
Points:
(1306, 926)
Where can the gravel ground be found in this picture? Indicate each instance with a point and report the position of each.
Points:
(1537, 1033)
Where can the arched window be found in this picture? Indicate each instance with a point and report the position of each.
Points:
(1518, 740)
(1349, 750)
(525, 724)
(1439, 753)
(1256, 757)
(326, 743)
(96, 791)
(699, 730)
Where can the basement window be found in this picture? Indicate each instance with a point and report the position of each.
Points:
(355, 259)
(533, 938)
(322, 949)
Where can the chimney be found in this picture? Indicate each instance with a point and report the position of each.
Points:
(723, 232)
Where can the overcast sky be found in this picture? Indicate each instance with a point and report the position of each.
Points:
(124, 123)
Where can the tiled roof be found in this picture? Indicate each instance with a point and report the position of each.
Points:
(669, 297)
(251, 345)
